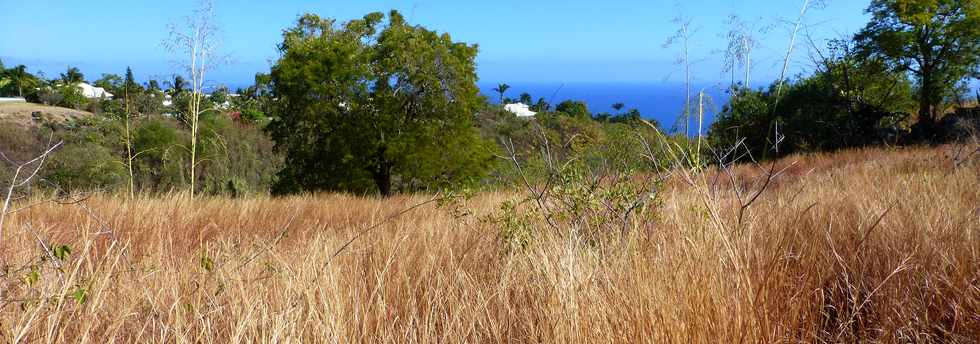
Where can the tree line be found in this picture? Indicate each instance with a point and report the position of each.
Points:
(377, 105)
(904, 78)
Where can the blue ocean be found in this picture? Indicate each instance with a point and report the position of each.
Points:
(663, 102)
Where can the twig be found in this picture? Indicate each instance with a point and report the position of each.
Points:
(360, 234)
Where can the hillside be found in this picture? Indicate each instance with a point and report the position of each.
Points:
(20, 113)
(858, 246)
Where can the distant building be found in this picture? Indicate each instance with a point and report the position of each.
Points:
(92, 92)
(520, 109)
(12, 100)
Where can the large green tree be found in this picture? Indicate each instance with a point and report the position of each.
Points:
(938, 41)
(366, 107)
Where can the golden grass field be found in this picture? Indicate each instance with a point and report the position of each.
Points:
(871, 245)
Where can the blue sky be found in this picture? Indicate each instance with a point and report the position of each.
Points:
(520, 41)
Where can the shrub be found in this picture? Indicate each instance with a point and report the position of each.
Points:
(162, 156)
(86, 166)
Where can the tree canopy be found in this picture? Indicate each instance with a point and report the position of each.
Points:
(937, 41)
(367, 107)
(849, 102)
(72, 75)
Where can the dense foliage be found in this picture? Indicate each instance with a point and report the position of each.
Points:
(138, 131)
(378, 105)
(849, 102)
(365, 108)
(937, 41)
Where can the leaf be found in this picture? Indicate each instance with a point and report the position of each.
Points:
(32, 277)
(80, 295)
(62, 252)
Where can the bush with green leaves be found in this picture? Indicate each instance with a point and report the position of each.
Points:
(160, 146)
(849, 102)
(71, 97)
(86, 166)
(238, 159)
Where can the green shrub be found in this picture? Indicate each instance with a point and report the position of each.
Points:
(86, 166)
(162, 156)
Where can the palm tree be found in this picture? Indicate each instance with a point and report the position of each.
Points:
(526, 99)
(20, 78)
(72, 75)
(618, 107)
(178, 84)
(502, 88)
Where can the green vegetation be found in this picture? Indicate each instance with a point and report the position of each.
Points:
(364, 108)
(378, 105)
(893, 83)
(235, 155)
(850, 102)
(937, 41)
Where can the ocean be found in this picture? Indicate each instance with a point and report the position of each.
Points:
(663, 102)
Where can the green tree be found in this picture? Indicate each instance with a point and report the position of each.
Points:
(18, 78)
(937, 41)
(72, 76)
(526, 99)
(574, 108)
(618, 107)
(130, 82)
(111, 82)
(541, 106)
(501, 89)
(850, 102)
(178, 85)
(365, 108)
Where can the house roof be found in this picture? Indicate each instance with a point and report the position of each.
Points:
(520, 109)
(89, 91)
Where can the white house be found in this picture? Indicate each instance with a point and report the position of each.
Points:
(520, 109)
(89, 91)
(12, 100)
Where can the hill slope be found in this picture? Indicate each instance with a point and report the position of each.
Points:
(858, 246)
(20, 113)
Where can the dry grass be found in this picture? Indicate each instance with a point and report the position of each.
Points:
(867, 245)
(20, 113)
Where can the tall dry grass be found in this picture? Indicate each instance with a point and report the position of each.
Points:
(864, 245)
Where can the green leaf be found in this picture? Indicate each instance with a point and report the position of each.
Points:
(80, 294)
(33, 276)
(62, 252)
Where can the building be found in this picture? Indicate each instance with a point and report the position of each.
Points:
(12, 100)
(521, 110)
(92, 92)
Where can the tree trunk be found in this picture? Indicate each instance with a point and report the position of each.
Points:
(382, 175)
(382, 178)
(928, 106)
(925, 110)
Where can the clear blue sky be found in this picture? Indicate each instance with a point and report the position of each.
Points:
(520, 40)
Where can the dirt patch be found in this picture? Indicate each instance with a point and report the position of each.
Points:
(21, 113)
